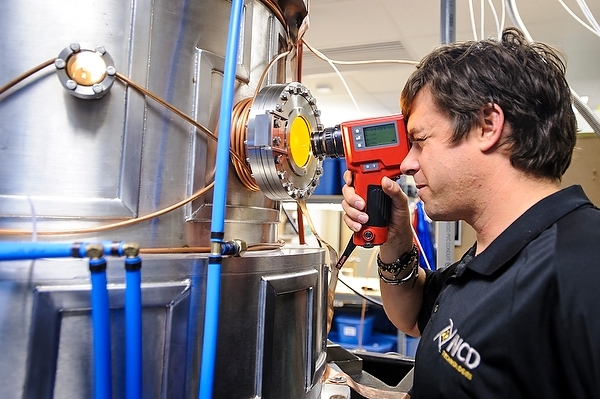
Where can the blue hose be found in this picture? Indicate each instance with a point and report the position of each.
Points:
(211, 315)
(101, 328)
(133, 328)
(100, 306)
(37, 250)
(222, 162)
(211, 318)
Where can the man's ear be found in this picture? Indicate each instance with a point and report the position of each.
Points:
(492, 124)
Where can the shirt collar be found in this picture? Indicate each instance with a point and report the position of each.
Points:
(528, 226)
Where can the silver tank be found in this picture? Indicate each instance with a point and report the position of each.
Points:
(70, 164)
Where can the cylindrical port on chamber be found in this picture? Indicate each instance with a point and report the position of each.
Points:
(86, 71)
(328, 143)
(278, 145)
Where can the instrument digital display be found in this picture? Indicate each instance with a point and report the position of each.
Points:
(378, 135)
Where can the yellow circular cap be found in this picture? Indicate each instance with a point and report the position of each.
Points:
(86, 68)
(300, 141)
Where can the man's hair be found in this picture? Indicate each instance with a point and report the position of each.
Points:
(527, 80)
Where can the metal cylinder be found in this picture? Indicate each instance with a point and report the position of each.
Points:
(70, 163)
(80, 151)
(328, 143)
(271, 341)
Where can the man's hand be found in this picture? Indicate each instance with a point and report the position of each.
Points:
(400, 236)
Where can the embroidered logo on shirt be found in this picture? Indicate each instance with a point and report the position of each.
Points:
(456, 351)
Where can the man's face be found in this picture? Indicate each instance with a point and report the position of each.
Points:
(444, 173)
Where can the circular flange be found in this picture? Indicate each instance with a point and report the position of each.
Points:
(85, 71)
(278, 143)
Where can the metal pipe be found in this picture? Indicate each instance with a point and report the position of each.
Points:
(213, 289)
(448, 22)
(444, 236)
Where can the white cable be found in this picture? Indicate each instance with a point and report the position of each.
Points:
(33, 220)
(502, 19)
(583, 108)
(325, 58)
(519, 21)
(482, 12)
(588, 14)
(333, 62)
(473, 28)
(337, 71)
(420, 247)
(495, 14)
(579, 19)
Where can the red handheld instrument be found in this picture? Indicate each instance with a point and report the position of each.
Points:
(373, 148)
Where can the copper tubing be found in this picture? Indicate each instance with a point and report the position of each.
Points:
(190, 250)
(111, 226)
(25, 75)
(238, 143)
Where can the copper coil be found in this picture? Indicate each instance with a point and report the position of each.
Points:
(238, 146)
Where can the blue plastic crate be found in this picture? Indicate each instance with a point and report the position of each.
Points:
(348, 328)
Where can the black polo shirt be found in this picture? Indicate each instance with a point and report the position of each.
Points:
(521, 319)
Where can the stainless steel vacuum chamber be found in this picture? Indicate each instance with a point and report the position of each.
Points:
(71, 165)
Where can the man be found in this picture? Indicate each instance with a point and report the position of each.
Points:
(492, 132)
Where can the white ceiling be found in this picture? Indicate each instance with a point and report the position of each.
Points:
(361, 30)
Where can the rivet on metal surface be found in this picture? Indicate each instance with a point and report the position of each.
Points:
(71, 85)
(97, 88)
(75, 47)
(111, 70)
(59, 63)
(101, 49)
(278, 107)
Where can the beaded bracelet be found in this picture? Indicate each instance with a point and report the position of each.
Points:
(404, 261)
(414, 273)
